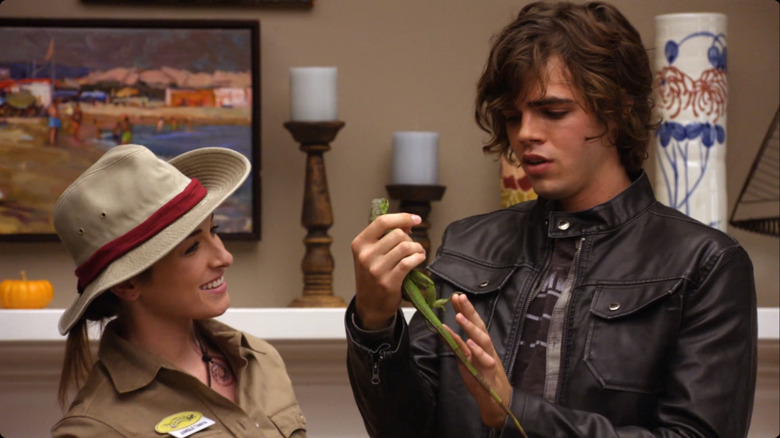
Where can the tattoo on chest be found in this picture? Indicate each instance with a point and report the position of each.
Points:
(220, 372)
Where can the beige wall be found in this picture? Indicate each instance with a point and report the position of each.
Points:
(407, 65)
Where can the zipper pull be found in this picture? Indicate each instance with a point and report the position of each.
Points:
(375, 373)
(377, 356)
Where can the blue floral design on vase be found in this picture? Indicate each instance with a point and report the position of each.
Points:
(676, 143)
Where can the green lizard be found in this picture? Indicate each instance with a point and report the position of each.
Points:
(419, 289)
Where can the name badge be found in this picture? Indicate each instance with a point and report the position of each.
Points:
(183, 424)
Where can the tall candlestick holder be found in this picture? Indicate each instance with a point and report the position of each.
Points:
(416, 199)
(317, 214)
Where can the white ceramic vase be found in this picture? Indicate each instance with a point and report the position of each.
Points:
(691, 141)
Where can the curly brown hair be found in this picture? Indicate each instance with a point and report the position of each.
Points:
(605, 59)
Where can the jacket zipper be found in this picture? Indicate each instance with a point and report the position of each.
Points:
(564, 330)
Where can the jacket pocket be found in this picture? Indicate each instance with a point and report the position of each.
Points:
(469, 276)
(290, 422)
(630, 333)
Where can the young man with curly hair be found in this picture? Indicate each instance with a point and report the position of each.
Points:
(593, 311)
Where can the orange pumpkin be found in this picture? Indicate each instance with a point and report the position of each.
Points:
(25, 294)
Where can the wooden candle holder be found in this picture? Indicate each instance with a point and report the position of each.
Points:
(317, 214)
(416, 199)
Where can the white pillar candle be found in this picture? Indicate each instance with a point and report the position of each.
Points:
(313, 94)
(416, 158)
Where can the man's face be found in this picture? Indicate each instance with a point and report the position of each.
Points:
(563, 149)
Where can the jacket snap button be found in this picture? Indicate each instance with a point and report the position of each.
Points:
(563, 225)
(614, 306)
(484, 283)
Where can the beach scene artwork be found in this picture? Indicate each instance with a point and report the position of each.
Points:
(72, 90)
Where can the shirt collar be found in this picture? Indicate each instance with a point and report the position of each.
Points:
(131, 367)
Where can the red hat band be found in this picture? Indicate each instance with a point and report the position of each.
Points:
(166, 215)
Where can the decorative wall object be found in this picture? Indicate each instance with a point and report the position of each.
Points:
(72, 89)
(758, 207)
(515, 185)
(691, 141)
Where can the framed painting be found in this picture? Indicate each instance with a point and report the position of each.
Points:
(208, 2)
(72, 89)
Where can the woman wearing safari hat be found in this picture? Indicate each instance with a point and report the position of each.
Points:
(142, 234)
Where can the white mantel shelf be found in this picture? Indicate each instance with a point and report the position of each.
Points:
(272, 324)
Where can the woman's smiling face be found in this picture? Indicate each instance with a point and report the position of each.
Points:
(189, 282)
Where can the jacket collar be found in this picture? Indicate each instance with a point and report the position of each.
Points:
(131, 367)
(635, 199)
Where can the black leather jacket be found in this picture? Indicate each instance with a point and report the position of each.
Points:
(659, 335)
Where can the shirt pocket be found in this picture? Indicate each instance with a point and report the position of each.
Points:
(290, 422)
(631, 330)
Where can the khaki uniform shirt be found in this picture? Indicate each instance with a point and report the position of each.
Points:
(129, 391)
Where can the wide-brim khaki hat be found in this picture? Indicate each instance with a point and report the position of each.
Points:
(131, 208)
